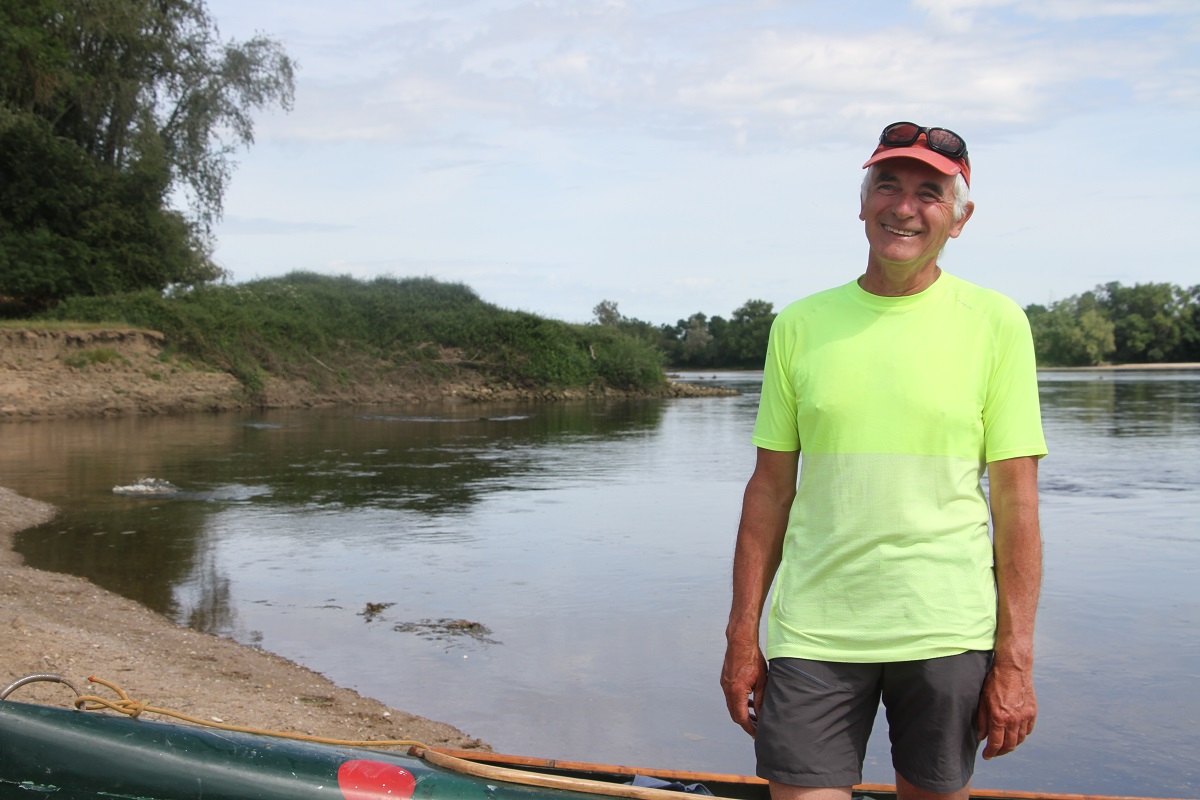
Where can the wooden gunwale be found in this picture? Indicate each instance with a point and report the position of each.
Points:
(749, 782)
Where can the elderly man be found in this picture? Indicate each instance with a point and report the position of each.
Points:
(900, 388)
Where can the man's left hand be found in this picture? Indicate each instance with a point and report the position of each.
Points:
(1007, 709)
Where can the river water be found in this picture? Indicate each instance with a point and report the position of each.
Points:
(554, 578)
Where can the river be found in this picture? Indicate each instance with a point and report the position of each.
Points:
(554, 578)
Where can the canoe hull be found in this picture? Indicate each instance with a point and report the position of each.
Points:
(59, 754)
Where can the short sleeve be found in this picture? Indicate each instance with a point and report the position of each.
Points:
(1012, 417)
(775, 427)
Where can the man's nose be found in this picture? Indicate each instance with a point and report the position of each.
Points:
(905, 205)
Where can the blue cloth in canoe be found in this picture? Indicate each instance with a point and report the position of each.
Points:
(671, 786)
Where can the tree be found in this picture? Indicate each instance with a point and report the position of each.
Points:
(71, 226)
(151, 96)
(696, 339)
(744, 342)
(1071, 333)
(1190, 349)
(125, 79)
(606, 313)
(1144, 323)
(1151, 320)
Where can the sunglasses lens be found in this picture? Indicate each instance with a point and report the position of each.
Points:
(946, 141)
(900, 133)
(940, 140)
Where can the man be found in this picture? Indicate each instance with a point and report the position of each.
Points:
(900, 388)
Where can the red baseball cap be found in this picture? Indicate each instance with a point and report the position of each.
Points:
(921, 152)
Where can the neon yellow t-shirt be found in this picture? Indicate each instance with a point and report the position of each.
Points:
(896, 404)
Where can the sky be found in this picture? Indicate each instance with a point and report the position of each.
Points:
(683, 156)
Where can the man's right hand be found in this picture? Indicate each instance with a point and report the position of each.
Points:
(743, 679)
(756, 558)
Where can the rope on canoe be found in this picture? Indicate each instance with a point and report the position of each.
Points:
(135, 708)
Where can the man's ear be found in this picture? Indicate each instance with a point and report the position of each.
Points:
(968, 210)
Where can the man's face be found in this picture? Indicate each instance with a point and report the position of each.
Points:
(909, 213)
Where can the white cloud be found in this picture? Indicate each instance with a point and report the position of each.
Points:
(959, 15)
(687, 155)
(716, 75)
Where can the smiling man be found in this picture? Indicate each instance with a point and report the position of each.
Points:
(901, 389)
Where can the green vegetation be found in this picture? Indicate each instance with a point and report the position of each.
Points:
(342, 329)
(1148, 323)
(49, 325)
(338, 330)
(700, 342)
(107, 109)
(99, 355)
(1141, 324)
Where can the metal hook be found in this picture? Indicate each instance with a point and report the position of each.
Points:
(42, 676)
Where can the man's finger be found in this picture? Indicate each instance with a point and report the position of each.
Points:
(995, 742)
(1003, 740)
(745, 716)
(740, 704)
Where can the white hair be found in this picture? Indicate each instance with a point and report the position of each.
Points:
(962, 192)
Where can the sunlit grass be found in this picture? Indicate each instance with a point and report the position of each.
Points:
(317, 326)
(59, 325)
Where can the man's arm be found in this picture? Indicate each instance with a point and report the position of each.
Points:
(759, 548)
(1008, 707)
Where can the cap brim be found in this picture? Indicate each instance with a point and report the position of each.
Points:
(943, 164)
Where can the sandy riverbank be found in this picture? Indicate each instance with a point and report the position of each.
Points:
(64, 624)
(53, 374)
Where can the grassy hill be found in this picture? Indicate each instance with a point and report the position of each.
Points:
(341, 330)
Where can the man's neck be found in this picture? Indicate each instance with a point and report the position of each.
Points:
(887, 281)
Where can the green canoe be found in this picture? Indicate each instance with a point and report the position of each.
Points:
(62, 754)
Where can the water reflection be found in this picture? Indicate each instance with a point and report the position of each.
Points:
(211, 609)
(1124, 406)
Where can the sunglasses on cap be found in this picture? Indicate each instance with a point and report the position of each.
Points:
(939, 140)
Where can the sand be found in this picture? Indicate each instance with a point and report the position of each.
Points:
(52, 623)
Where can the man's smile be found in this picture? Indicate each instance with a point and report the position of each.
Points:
(898, 232)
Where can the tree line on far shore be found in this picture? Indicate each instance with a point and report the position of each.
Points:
(1147, 323)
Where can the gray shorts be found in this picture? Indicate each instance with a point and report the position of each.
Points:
(816, 718)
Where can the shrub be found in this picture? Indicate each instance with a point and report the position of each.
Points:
(284, 325)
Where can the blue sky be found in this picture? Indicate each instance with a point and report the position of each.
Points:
(682, 155)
